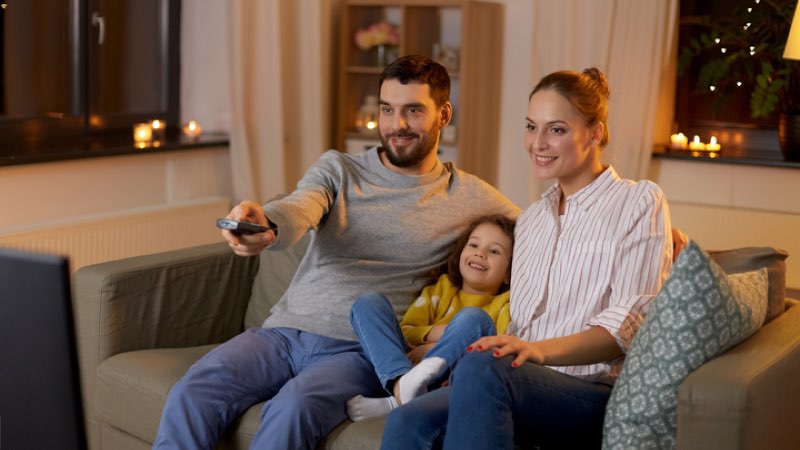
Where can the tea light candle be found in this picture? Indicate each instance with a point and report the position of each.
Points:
(678, 141)
(713, 145)
(159, 129)
(142, 133)
(696, 144)
(192, 129)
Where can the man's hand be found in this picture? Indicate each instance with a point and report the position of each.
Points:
(249, 244)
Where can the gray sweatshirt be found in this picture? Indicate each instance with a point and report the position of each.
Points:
(375, 231)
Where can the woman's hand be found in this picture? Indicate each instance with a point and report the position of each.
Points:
(509, 345)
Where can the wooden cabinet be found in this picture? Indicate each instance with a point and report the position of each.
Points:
(466, 36)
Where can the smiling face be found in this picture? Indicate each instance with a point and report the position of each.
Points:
(409, 124)
(559, 142)
(485, 262)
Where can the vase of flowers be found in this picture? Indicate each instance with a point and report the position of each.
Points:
(383, 36)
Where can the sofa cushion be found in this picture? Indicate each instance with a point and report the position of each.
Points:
(699, 313)
(747, 259)
(132, 387)
(275, 272)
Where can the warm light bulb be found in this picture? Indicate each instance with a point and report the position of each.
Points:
(749, 10)
(712, 88)
(738, 83)
(723, 49)
(717, 40)
(371, 125)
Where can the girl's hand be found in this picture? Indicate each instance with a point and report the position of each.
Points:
(435, 333)
(509, 345)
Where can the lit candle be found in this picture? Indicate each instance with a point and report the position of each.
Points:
(159, 128)
(696, 144)
(142, 133)
(678, 141)
(713, 145)
(192, 129)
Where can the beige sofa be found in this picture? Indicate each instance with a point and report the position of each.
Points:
(143, 321)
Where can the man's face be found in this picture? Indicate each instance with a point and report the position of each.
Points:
(409, 124)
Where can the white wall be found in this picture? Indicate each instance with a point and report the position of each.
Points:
(723, 206)
(34, 196)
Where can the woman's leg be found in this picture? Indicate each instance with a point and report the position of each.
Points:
(419, 424)
(378, 331)
(495, 405)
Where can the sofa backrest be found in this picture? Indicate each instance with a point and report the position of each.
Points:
(275, 272)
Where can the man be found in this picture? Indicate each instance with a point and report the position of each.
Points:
(381, 221)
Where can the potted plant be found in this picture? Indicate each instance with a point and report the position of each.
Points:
(744, 49)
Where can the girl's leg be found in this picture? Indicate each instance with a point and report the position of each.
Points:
(419, 424)
(495, 405)
(378, 331)
(467, 326)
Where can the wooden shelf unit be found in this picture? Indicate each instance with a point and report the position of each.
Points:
(474, 28)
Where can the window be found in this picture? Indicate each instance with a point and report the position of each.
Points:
(77, 69)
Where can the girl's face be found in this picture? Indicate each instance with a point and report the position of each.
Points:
(559, 142)
(485, 261)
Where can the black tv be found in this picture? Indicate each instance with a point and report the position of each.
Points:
(40, 397)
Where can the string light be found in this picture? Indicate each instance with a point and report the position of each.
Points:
(723, 49)
(717, 40)
(3, 5)
(738, 83)
(712, 88)
(749, 10)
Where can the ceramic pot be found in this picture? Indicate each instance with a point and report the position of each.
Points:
(789, 136)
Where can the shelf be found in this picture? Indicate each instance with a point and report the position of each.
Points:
(468, 37)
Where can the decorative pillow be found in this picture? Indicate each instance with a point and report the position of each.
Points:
(747, 259)
(699, 313)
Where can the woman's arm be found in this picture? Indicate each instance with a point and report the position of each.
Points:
(587, 347)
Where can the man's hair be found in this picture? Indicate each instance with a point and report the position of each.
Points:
(420, 69)
(453, 268)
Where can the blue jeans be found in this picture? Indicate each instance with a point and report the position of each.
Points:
(491, 404)
(305, 379)
(382, 341)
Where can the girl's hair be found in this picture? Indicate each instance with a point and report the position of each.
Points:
(452, 266)
(587, 91)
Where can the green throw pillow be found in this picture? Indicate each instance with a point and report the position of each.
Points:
(699, 313)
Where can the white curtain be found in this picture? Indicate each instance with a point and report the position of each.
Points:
(632, 42)
(262, 71)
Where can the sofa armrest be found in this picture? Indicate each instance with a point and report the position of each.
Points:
(188, 297)
(747, 398)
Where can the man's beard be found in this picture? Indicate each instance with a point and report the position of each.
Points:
(415, 153)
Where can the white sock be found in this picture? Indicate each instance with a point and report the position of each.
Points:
(364, 408)
(416, 381)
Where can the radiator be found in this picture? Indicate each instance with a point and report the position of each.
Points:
(96, 239)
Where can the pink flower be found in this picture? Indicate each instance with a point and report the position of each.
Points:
(380, 33)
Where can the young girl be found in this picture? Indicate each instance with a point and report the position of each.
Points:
(589, 258)
(462, 306)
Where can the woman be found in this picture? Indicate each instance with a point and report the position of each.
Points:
(589, 257)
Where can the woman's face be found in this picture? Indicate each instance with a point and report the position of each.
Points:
(559, 142)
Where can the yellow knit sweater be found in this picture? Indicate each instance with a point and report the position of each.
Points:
(439, 302)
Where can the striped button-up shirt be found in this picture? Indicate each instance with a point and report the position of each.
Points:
(598, 264)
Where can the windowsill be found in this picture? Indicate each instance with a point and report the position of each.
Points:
(729, 156)
(104, 145)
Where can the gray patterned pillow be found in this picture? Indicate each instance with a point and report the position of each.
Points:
(699, 313)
